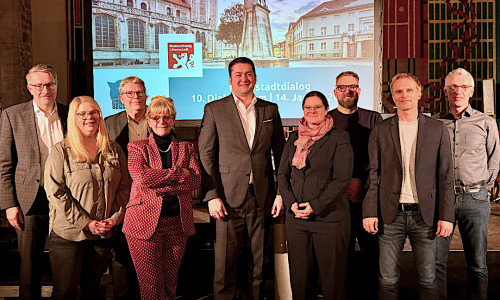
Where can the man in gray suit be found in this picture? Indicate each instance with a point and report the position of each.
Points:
(411, 188)
(28, 131)
(124, 127)
(237, 135)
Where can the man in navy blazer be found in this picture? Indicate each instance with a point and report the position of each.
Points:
(237, 136)
(411, 188)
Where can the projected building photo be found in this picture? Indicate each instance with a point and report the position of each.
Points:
(334, 29)
(126, 32)
(296, 46)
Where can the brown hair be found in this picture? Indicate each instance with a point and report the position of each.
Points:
(347, 73)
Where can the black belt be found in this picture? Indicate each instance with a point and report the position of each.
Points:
(461, 188)
(408, 207)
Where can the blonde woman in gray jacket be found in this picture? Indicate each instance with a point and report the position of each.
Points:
(88, 186)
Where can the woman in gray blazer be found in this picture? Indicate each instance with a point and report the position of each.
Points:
(314, 174)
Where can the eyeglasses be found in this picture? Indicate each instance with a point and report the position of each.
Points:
(157, 118)
(317, 107)
(92, 114)
(131, 94)
(352, 87)
(49, 86)
(456, 88)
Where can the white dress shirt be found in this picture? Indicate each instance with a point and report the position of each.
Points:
(49, 131)
(248, 120)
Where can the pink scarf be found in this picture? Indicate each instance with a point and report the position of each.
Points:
(307, 137)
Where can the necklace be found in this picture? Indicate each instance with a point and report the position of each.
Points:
(165, 151)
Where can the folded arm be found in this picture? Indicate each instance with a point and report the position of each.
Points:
(191, 182)
(141, 172)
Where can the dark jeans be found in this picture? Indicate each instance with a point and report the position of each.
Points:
(391, 242)
(76, 263)
(362, 266)
(472, 213)
(31, 244)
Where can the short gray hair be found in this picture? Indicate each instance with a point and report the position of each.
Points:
(460, 71)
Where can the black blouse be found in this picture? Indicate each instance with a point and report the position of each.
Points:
(170, 205)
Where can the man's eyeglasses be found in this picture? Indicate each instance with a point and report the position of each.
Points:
(84, 115)
(49, 86)
(456, 88)
(131, 94)
(157, 118)
(352, 87)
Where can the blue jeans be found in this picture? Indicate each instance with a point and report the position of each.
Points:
(391, 242)
(472, 213)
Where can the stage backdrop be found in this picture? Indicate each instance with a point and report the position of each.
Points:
(181, 49)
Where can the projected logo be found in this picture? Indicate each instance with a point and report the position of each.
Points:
(181, 56)
(114, 94)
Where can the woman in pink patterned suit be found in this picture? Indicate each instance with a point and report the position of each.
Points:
(159, 216)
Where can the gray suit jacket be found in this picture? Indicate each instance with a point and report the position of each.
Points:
(227, 158)
(20, 165)
(433, 171)
(117, 126)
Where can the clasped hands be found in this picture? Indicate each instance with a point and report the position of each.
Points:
(302, 211)
(101, 227)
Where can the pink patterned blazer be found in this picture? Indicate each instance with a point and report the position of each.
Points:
(151, 182)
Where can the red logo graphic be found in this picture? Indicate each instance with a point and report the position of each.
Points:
(180, 55)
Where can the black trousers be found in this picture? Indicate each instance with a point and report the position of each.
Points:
(362, 266)
(77, 263)
(241, 233)
(125, 282)
(31, 244)
(313, 244)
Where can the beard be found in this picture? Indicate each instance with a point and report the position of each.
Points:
(351, 102)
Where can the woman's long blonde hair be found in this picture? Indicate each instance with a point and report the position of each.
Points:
(74, 138)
